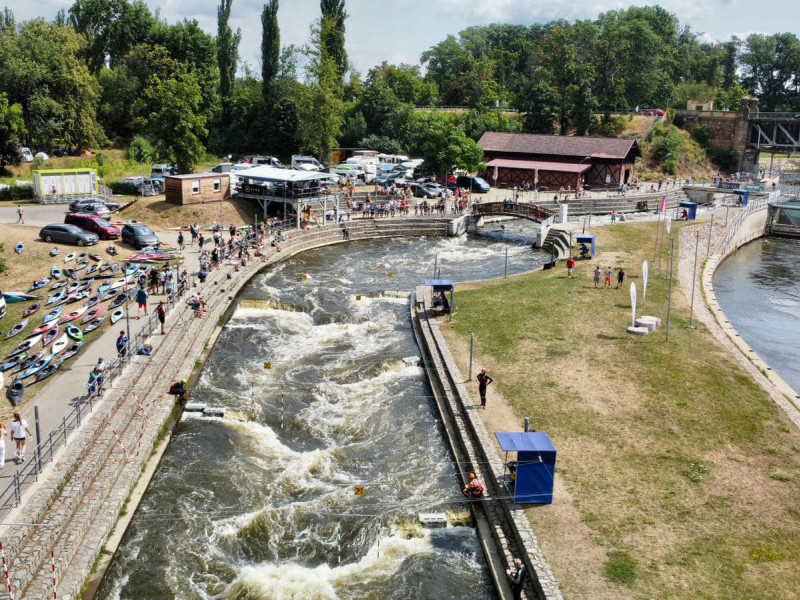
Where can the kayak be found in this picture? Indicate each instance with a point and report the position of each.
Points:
(76, 297)
(50, 335)
(23, 366)
(112, 250)
(55, 272)
(92, 269)
(105, 266)
(37, 366)
(17, 329)
(69, 257)
(52, 315)
(91, 326)
(103, 288)
(56, 298)
(118, 301)
(82, 257)
(130, 270)
(70, 273)
(115, 268)
(14, 297)
(81, 266)
(19, 248)
(60, 344)
(54, 252)
(46, 372)
(26, 345)
(92, 301)
(58, 285)
(73, 288)
(75, 333)
(31, 309)
(96, 257)
(13, 361)
(92, 314)
(38, 284)
(108, 295)
(71, 351)
(120, 283)
(74, 315)
(15, 391)
(43, 328)
(116, 316)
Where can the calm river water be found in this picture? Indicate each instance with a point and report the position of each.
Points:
(261, 504)
(759, 290)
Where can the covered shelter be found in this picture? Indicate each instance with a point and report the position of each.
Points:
(589, 240)
(442, 286)
(560, 158)
(690, 208)
(299, 192)
(532, 474)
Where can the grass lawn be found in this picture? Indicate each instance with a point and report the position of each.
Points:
(682, 473)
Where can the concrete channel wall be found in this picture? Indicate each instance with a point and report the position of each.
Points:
(471, 443)
(78, 499)
(750, 225)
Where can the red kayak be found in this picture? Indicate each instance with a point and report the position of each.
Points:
(92, 314)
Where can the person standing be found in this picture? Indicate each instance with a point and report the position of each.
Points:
(483, 382)
(19, 433)
(181, 244)
(620, 277)
(2, 445)
(122, 347)
(200, 241)
(194, 230)
(516, 576)
(608, 273)
(570, 267)
(20, 215)
(597, 276)
(161, 311)
(141, 301)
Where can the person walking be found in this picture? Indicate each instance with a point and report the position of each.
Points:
(200, 241)
(141, 301)
(620, 277)
(194, 231)
(597, 276)
(516, 576)
(608, 273)
(161, 311)
(20, 215)
(19, 433)
(570, 267)
(483, 382)
(122, 347)
(181, 244)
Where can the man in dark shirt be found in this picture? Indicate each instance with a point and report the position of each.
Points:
(483, 382)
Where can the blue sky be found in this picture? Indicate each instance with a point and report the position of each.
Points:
(400, 30)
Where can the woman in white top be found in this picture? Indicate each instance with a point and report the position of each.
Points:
(19, 433)
(2, 445)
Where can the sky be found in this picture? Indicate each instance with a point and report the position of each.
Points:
(401, 30)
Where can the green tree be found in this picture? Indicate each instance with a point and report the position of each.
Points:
(382, 144)
(12, 132)
(173, 119)
(333, 33)
(442, 145)
(141, 150)
(582, 107)
(270, 48)
(227, 57)
(355, 128)
(285, 128)
(539, 102)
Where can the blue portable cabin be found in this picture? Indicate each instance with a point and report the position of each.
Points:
(444, 286)
(535, 465)
(691, 210)
(589, 240)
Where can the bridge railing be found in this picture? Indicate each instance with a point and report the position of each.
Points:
(534, 212)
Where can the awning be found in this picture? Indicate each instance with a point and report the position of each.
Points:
(518, 441)
(532, 165)
(265, 173)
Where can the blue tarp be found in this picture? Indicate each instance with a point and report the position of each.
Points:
(441, 285)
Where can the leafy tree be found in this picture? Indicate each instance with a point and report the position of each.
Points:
(173, 119)
(686, 91)
(141, 150)
(227, 57)
(333, 33)
(285, 127)
(12, 132)
(442, 145)
(270, 47)
(355, 128)
(771, 68)
(582, 107)
(539, 102)
(382, 144)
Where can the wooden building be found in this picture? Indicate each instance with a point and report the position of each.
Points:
(197, 188)
(556, 161)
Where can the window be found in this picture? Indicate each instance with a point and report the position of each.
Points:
(195, 186)
(217, 185)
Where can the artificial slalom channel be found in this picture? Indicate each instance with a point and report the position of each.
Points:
(262, 503)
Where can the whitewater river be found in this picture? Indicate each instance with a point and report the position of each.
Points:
(262, 504)
(759, 290)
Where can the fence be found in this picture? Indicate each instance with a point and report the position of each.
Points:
(753, 206)
(28, 473)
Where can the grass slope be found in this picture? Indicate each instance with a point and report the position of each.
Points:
(681, 467)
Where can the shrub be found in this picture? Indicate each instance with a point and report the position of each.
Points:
(101, 158)
(17, 192)
(702, 136)
(3, 266)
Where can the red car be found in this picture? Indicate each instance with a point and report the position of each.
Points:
(88, 222)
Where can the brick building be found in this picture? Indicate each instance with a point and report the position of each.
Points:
(197, 188)
(555, 161)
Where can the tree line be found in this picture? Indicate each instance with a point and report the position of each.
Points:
(112, 71)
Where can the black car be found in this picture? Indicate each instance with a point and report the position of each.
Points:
(67, 234)
(139, 236)
(420, 191)
(473, 184)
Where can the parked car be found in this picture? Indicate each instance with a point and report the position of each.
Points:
(306, 163)
(94, 208)
(473, 184)
(163, 170)
(139, 236)
(67, 234)
(103, 228)
(25, 154)
(77, 205)
(421, 191)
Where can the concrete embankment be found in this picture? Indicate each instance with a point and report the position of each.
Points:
(748, 226)
(78, 500)
(502, 524)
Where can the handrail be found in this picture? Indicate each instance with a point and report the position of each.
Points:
(534, 212)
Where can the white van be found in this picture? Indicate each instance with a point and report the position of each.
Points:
(392, 159)
(306, 163)
(368, 164)
(25, 154)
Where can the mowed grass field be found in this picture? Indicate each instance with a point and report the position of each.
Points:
(682, 476)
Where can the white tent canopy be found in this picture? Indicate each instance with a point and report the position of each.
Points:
(265, 173)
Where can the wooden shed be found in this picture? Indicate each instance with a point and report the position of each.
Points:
(197, 188)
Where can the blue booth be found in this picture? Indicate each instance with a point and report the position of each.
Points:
(690, 208)
(589, 241)
(533, 472)
(440, 289)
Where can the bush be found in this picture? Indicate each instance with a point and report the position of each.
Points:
(382, 144)
(38, 163)
(101, 158)
(608, 126)
(702, 136)
(3, 265)
(140, 150)
(17, 192)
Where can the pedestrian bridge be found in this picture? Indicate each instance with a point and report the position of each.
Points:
(531, 212)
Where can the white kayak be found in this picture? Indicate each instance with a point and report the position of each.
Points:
(60, 344)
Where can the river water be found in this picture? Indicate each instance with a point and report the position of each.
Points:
(262, 504)
(759, 290)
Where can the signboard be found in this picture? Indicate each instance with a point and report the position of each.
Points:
(633, 305)
(728, 185)
(753, 188)
(256, 190)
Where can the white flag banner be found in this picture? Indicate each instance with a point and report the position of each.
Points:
(668, 222)
(633, 305)
(645, 275)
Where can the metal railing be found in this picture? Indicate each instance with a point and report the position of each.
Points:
(755, 205)
(28, 473)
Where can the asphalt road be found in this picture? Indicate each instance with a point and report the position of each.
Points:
(37, 215)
